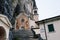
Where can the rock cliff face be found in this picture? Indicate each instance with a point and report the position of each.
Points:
(6, 8)
(10, 7)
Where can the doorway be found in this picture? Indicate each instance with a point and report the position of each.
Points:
(2, 33)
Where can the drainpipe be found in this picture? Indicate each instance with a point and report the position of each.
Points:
(45, 31)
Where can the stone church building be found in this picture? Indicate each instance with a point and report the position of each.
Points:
(17, 18)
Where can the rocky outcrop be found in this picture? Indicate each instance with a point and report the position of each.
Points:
(22, 34)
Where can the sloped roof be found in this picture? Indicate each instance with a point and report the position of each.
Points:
(49, 19)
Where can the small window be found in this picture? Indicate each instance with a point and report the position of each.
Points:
(35, 11)
(51, 28)
(22, 27)
(22, 20)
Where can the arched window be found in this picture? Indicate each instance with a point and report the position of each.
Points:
(22, 20)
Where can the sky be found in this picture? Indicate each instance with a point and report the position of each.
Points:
(48, 8)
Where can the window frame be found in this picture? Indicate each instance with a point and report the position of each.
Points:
(51, 28)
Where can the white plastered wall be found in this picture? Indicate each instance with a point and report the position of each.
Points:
(32, 23)
(51, 35)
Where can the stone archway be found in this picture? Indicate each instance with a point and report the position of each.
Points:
(2, 33)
